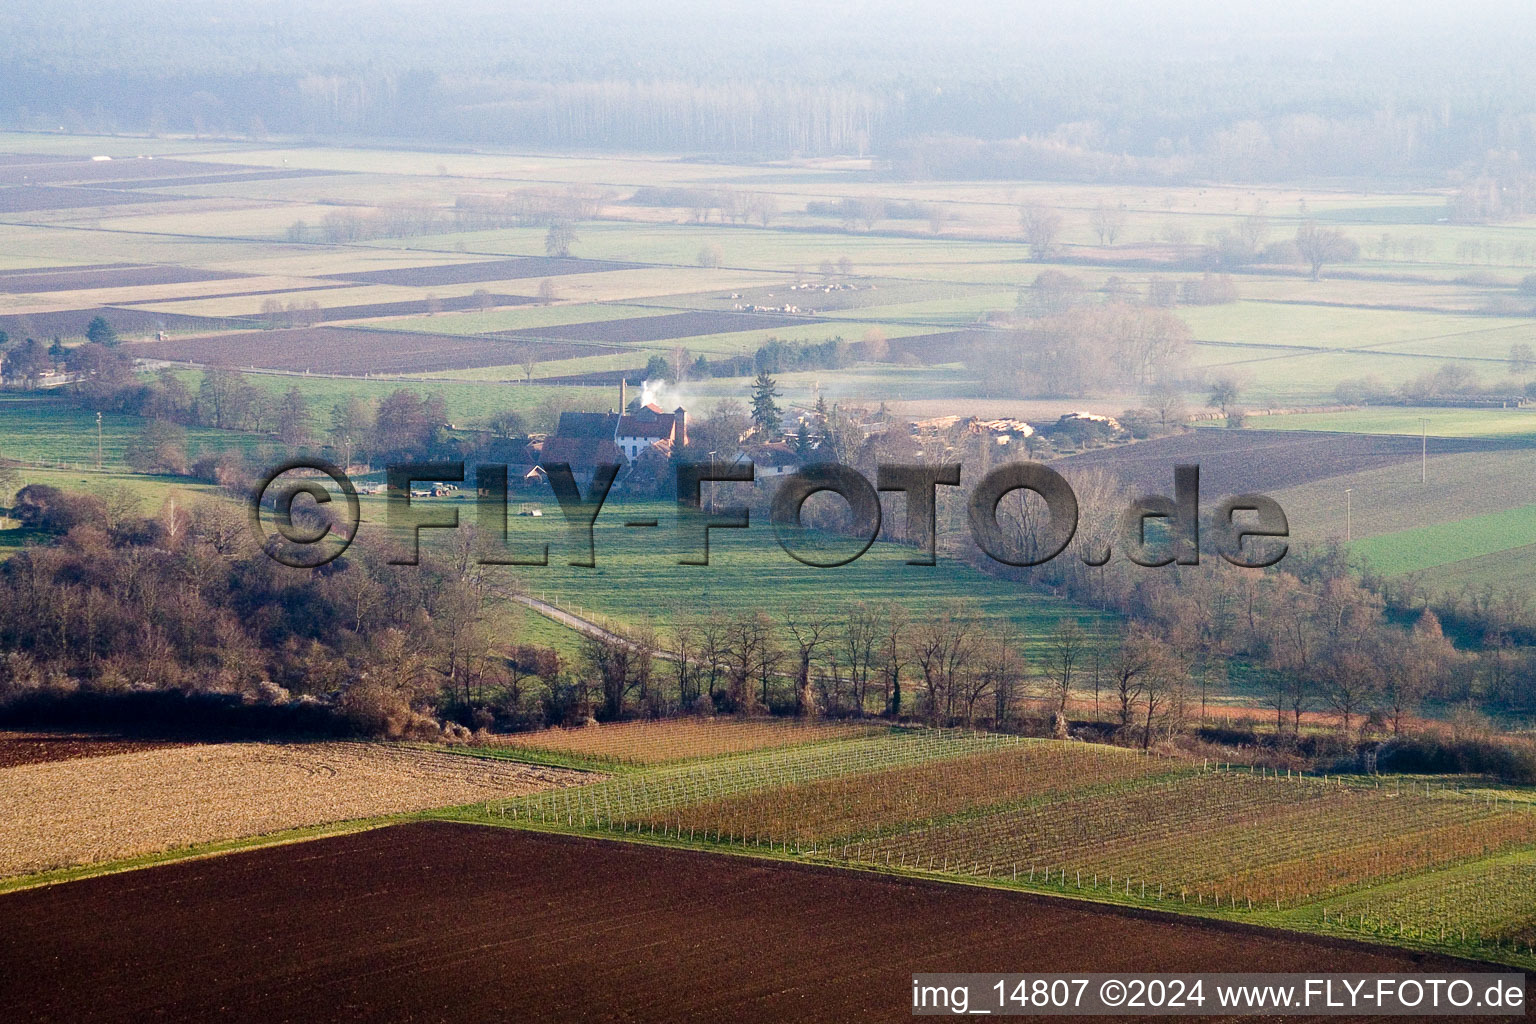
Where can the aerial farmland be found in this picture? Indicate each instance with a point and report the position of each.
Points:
(673, 512)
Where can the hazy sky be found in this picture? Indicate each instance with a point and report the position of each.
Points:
(978, 36)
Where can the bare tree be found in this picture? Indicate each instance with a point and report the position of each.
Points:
(1002, 672)
(1225, 389)
(1167, 401)
(960, 621)
(929, 644)
(559, 239)
(645, 644)
(750, 656)
(1253, 231)
(1350, 678)
(527, 357)
(893, 653)
(1522, 359)
(857, 649)
(714, 640)
(1132, 660)
(1107, 222)
(1040, 228)
(1064, 648)
(611, 659)
(764, 207)
(121, 503)
(1418, 669)
(682, 652)
(1320, 246)
(1163, 690)
(807, 625)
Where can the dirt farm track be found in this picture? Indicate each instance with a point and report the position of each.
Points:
(444, 922)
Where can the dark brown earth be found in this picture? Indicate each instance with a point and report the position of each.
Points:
(516, 268)
(1261, 461)
(36, 747)
(945, 346)
(220, 179)
(31, 170)
(24, 159)
(354, 350)
(29, 198)
(661, 328)
(71, 323)
(64, 279)
(294, 294)
(444, 922)
(415, 307)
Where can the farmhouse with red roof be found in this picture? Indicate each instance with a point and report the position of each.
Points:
(587, 440)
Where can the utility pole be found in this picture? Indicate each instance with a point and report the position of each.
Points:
(1349, 515)
(98, 442)
(711, 483)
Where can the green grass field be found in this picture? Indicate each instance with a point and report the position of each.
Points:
(50, 429)
(469, 403)
(1334, 327)
(1297, 378)
(1440, 544)
(1508, 569)
(1392, 498)
(1437, 422)
(637, 578)
(516, 375)
(864, 384)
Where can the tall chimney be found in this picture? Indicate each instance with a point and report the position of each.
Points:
(680, 433)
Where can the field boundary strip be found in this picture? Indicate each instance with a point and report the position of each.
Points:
(200, 851)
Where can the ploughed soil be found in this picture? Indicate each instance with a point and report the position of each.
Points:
(512, 269)
(344, 350)
(33, 169)
(447, 922)
(947, 346)
(29, 184)
(695, 323)
(66, 279)
(33, 198)
(18, 748)
(71, 323)
(1249, 461)
(416, 307)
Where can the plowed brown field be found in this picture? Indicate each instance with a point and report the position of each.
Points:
(355, 351)
(444, 922)
(38, 747)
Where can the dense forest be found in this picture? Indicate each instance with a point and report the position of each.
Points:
(1374, 90)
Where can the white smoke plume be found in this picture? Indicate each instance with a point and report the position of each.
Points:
(667, 396)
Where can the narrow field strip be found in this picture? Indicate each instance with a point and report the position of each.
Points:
(847, 806)
(1494, 899)
(630, 799)
(1217, 838)
(651, 743)
(91, 810)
